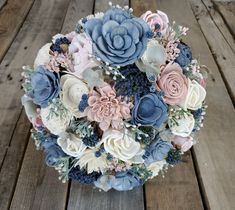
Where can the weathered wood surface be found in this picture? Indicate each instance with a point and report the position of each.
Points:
(214, 154)
(221, 50)
(12, 15)
(14, 127)
(227, 10)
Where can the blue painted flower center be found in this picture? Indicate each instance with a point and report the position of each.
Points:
(118, 42)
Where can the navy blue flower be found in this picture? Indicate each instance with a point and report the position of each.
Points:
(185, 56)
(45, 86)
(125, 181)
(53, 151)
(157, 150)
(60, 45)
(135, 82)
(149, 110)
(82, 176)
(118, 38)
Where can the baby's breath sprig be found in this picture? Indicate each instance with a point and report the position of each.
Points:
(27, 73)
(110, 70)
(142, 172)
(57, 109)
(63, 168)
(163, 171)
(176, 113)
(199, 117)
(38, 137)
(127, 8)
(81, 127)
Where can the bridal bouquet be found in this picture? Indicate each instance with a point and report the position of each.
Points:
(117, 101)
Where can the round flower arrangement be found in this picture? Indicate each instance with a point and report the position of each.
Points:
(116, 101)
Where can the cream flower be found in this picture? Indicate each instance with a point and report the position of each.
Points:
(91, 162)
(122, 146)
(55, 123)
(156, 167)
(43, 56)
(72, 91)
(153, 57)
(196, 95)
(185, 125)
(71, 144)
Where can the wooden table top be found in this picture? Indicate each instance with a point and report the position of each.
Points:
(206, 177)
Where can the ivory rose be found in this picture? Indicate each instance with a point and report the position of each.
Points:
(71, 94)
(122, 146)
(71, 144)
(184, 125)
(43, 56)
(153, 57)
(173, 83)
(158, 22)
(156, 167)
(196, 95)
(106, 108)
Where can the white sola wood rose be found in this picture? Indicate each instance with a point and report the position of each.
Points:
(71, 144)
(184, 126)
(91, 162)
(43, 56)
(123, 146)
(196, 95)
(156, 167)
(55, 123)
(72, 91)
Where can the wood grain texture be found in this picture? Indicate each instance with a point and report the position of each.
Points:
(82, 197)
(215, 151)
(220, 23)
(2, 3)
(12, 16)
(14, 127)
(179, 189)
(227, 10)
(220, 48)
(38, 187)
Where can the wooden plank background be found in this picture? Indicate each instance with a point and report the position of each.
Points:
(206, 177)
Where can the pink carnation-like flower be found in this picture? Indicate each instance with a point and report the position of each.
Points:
(106, 108)
(81, 51)
(172, 52)
(185, 143)
(158, 22)
(173, 83)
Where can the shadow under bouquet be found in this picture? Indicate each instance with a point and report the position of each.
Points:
(117, 101)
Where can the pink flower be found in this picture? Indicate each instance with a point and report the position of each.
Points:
(185, 143)
(172, 51)
(173, 83)
(81, 51)
(106, 108)
(158, 22)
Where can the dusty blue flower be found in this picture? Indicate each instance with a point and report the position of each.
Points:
(157, 150)
(149, 110)
(53, 151)
(185, 56)
(45, 86)
(118, 38)
(125, 181)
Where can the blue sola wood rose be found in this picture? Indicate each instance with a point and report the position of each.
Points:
(157, 150)
(45, 86)
(149, 110)
(119, 38)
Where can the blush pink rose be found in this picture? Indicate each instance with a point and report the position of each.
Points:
(173, 83)
(185, 143)
(106, 108)
(81, 51)
(158, 22)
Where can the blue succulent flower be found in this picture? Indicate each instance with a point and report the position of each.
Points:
(125, 181)
(118, 38)
(53, 151)
(45, 86)
(149, 110)
(185, 56)
(157, 150)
